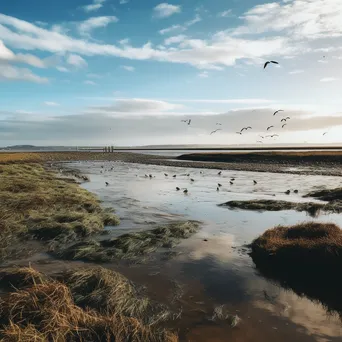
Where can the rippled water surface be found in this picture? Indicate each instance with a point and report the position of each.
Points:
(218, 271)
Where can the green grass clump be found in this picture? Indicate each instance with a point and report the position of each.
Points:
(110, 292)
(35, 203)
(132, 245)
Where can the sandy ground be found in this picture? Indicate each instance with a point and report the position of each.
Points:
(310, 163)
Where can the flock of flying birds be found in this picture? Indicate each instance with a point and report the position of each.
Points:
(283, 121)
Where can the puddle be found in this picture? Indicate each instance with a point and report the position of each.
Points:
(218, 271)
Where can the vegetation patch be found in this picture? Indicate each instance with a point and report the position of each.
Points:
(306, 258)
(327, 194)
(131, 246)
(110, 292)
(48, 311)
(270, 205)
(34, 202)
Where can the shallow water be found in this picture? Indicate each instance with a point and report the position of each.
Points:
(218, 271)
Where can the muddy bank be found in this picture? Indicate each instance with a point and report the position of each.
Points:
(326, 164)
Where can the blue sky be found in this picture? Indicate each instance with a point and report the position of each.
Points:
(127, 72)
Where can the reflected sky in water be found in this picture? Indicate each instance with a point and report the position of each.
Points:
(220, 267)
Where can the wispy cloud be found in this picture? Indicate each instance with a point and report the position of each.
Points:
(11, 73)
(51, 104)
(76, 61)
(328, 79)
(175, 39)
(88, 82)
(123, 2)
(128, 68)
(203, 74)
(225, 14)
(85, 27)
(96, 5)
(62, 69)
(181, 28)
(165, 10)
(296, 72)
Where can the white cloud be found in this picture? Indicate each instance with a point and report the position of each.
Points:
(226, 101)
(95, 76)
(125, 41)
(128, 68)
(88, 82)
(225, 14)
(41, 23)
(181, 28)
(123, 2)
(85, 27)
(328, 79)
(96, 5)
(165, 10)
(301, 19)
(138, 106)
(175, 39)
(62, 69)
(296, 72)
(76, 61)
(51, 104)
(8, 72)
(203, 74)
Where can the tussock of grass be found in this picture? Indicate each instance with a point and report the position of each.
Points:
(312, 244)
(269, 205)
(36, 203)
(327, 195)
(110, 292)
(306, 258)
(20, 277)
(132, 245)
(47, 312)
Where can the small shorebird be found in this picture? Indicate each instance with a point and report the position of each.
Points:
(107, 183)
(219, 184)
(220, 173)
(217, 189)
(177, 188)
(255, 182)
(192, 180)
(185, 191)
(150, 176)
(287, 192)
(174, 176)
(166, 175)
(231, 183)
(296, 191)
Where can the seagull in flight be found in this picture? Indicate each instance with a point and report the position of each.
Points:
(287, 118)
(283, 125)
(277, 111)
(269, 127)
(282, 120)
(219, 129)
(274, 135)
(239, 133)
(249, 127)
(268, 62)
(218, 124)
(189, 122)
(262, 137)
(325, 133)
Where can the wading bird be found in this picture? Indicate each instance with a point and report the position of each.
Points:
(268, 62)
(269, 127)
(277, 111)
(219, 129)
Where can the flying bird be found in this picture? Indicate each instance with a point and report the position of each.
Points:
(268, 62)
(287, 118)
(282, 120)
(184, 120)
(259, 141)
(219, 129)
(218, 124)
(274, 135)
(325, 133)
(239, 133)
(243, 129)
(277, 111)
(189, 122)
(283, 125)
(262, 137)
(269, 127)
(249, 127)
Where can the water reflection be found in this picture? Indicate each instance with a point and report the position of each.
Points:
(219, 271)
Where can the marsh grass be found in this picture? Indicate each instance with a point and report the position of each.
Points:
(306, 258)
(48, 311)
(34, 202)
(313, 209)
(131, 246)
(327, 195)
(110, 292)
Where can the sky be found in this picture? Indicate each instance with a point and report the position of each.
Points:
(127, 72)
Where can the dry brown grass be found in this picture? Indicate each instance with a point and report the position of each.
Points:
(318, 245)
(47, 312)
(34, 201)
